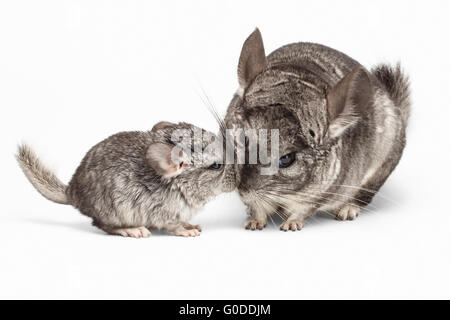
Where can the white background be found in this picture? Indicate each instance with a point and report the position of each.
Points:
(75, 72)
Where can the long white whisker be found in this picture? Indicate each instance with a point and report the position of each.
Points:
(270, 217)
(291, 212)
(307, 194)
(268, 201)
(314, 202)
(374, 192)
(336, 194)
(208, 103)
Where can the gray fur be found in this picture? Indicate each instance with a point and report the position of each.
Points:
(117, 186)
(397, 86)
(346, 126)
(40, 176)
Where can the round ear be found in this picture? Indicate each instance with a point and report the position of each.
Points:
(347, 101)
(252, 60)
(162, 125)
(168, 161)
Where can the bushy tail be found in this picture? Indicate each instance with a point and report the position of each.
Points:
(397, 85)
(41, 177)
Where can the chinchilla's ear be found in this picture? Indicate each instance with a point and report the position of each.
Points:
(252, 60)
(167, 160)
(348, 100)
(162, 125)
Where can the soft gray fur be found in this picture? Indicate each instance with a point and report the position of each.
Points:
(128, 185)
(344, 124)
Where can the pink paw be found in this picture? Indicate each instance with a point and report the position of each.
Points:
(183, 232)
(139, 232)
(255, 225)
(293, 225)
(347, 212)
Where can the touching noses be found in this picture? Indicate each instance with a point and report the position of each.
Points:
(248, 176)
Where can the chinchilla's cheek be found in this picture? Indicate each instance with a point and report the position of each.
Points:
(229, 182)
(295, 171)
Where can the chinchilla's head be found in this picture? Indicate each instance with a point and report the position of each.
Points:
(311, 117)
(190, 159)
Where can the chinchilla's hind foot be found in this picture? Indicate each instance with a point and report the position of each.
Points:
(347, 212)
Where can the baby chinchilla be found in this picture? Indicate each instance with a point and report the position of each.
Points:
(135, 181)
(341, 130)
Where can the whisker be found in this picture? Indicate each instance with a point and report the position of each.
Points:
(273, 222)
(291, 212)
(283, 206)
(275, 210)
(282, 189)
(317, 203)
(273, 205)
(289, 199)
(374, 192)
(339, 200)
(212, 109)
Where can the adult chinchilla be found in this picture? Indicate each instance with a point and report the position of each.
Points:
(341, 130)
(135, 181)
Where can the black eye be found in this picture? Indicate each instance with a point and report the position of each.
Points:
(287, 160)
(312, 133)
(215, 166)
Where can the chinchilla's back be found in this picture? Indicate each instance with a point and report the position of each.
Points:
(332, 65)
(328, 64)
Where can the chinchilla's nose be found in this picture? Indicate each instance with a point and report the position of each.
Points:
(229, 178)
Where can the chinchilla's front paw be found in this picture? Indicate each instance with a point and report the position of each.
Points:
(255, 225)
(183, 232)
(138, 232)
(347, 212)
(293, 225)
(190, 227)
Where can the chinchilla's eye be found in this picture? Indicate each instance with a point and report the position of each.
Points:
(215, 166)
(286, 160)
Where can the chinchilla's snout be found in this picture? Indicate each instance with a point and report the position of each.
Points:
(229, 179)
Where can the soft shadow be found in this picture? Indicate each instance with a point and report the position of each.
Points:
(237, 221)
(320, 219)
(388, 197)
(224, 213)
(84, 227)
(224, 222)
(80, 226)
